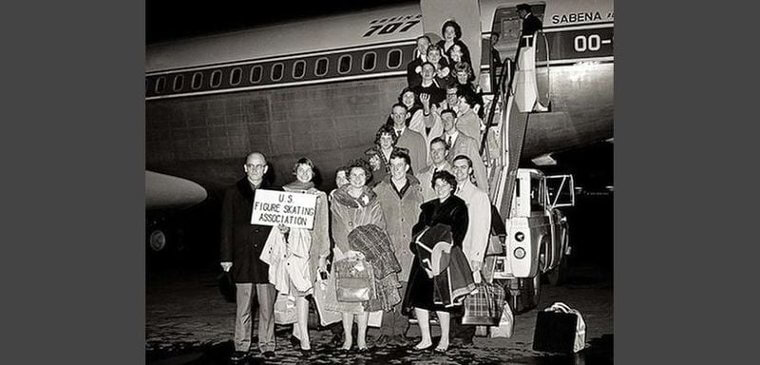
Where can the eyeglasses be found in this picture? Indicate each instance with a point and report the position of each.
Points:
(255, 167)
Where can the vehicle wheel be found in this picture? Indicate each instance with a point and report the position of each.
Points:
(158, 240)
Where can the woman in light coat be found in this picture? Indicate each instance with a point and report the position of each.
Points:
(305, 250)
(353, 205)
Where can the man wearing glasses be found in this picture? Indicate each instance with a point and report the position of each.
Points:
(241, 246)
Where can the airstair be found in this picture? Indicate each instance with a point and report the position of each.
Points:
(515, 99)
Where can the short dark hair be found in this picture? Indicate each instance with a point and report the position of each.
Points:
(399, 104)
(360, 164)
(303, 161)
(386, 128)
(464, 66)
(469, 96)
(427, 63)
(463, 157)
(434, 47)
(407, 90)
(523, 6)
(401, 153)
(439, 140)
(445, 176)
(451, 111)
(455, 25)
(423, 36)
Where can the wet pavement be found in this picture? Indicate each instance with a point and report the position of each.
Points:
(188, 322)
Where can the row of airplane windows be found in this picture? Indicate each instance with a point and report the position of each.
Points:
(321, 67)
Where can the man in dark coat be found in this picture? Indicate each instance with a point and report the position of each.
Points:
(241, 246)
(531, 23)
(413, 77)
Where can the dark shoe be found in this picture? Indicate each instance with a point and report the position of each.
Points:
(295, 341)
(269, 354)
(337, 340)
(306, 352)
(363, 350)
(238, 356)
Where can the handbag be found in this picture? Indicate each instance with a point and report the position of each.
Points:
(483, 306)
(506, 323)
(322, 289)
(559, 328)
(354, 280)
(284, 310)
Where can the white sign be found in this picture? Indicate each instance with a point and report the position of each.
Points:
(272, 208)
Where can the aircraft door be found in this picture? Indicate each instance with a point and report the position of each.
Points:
(466, 13)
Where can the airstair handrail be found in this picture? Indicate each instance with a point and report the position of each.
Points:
(499, 90)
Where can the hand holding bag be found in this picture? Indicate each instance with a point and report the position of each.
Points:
(354, 280)
(483, 306)
(559, 328)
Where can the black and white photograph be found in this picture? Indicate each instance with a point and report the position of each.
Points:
(379, 182)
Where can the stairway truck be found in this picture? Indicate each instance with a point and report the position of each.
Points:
(537, 231)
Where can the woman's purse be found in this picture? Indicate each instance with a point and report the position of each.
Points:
(354, 280)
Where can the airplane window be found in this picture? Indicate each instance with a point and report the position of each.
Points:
(394, 58)
(236, 76)
(321, 68)
(276, 74)
(197, 80)
(368, 61)
(256, 74)
(344, 64)
(216, 78)
(299, 69)
(179, 80)
(160, 84)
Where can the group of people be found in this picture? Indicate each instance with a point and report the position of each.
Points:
(422, 183)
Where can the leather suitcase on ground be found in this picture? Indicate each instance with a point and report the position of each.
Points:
(555, 332)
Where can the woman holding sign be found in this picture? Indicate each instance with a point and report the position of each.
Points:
(353, 205)
(310, 249)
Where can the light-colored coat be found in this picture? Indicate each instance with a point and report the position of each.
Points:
(320, 235)
(469, 123)
(475, 241)
(400, 215)
(417, 124)
(285, 265)
(415, 143)
(465, 145)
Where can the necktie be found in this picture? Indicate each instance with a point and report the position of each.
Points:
(398, 133)
(448, 141)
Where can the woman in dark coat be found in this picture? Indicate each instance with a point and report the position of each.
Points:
(450, 210)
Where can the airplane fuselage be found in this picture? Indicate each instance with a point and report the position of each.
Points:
(211, 101)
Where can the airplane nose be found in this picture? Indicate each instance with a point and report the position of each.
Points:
(164, 191)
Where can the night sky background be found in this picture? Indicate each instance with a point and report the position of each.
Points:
(170, 19)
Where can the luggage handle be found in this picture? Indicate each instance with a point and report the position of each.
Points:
(560, 307)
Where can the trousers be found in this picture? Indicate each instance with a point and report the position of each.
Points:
(266, 295)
